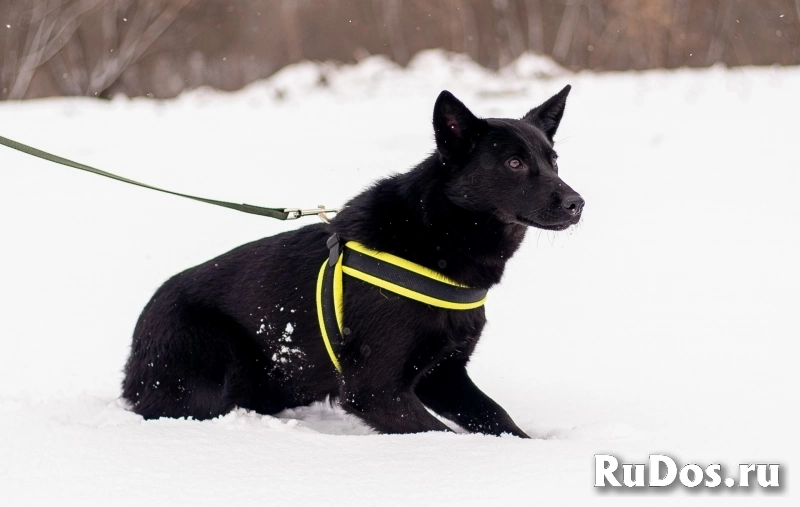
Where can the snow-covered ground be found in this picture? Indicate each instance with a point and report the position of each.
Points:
(667, 322)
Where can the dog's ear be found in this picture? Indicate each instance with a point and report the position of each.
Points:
(455, 127)
(547, 116)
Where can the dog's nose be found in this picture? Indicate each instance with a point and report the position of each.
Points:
(573, 203)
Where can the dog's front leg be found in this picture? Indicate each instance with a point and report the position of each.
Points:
(448, 391)
(390, 412)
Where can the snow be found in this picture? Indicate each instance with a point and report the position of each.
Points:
(664, 323)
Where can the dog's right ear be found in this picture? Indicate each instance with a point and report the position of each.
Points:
(548, 116)
(455, 127)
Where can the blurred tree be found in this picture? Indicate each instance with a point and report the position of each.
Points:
(159, 48)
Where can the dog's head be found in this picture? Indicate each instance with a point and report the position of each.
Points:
(506, 167)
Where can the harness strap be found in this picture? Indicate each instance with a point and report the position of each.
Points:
(388, 272)
(328, 299)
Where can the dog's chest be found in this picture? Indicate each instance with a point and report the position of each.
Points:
(456, 335)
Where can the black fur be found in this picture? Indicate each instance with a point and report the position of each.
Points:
(241, 329)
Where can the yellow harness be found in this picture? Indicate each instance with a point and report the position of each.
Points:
(388, 272)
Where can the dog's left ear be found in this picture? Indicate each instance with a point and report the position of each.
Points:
(455, 127)
(547, 116)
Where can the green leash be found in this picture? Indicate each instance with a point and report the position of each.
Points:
(278, 213)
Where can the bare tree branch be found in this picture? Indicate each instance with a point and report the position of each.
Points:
(140, 36)
(566, 31)
(471, 34)
(536, 25)
(31, 54)
(390, 10)
(43, 44)
(516, 41)
(725, 18)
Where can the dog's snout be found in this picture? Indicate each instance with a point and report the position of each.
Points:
(573, 203)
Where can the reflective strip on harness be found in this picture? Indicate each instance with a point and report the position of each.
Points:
(388, 272)
(326, 302)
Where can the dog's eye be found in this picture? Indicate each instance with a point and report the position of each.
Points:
(514, 163)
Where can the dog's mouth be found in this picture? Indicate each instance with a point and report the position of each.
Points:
(549, 227)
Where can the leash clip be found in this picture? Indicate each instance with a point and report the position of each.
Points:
(320, 211)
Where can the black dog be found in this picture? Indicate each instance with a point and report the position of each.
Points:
(242, 329)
